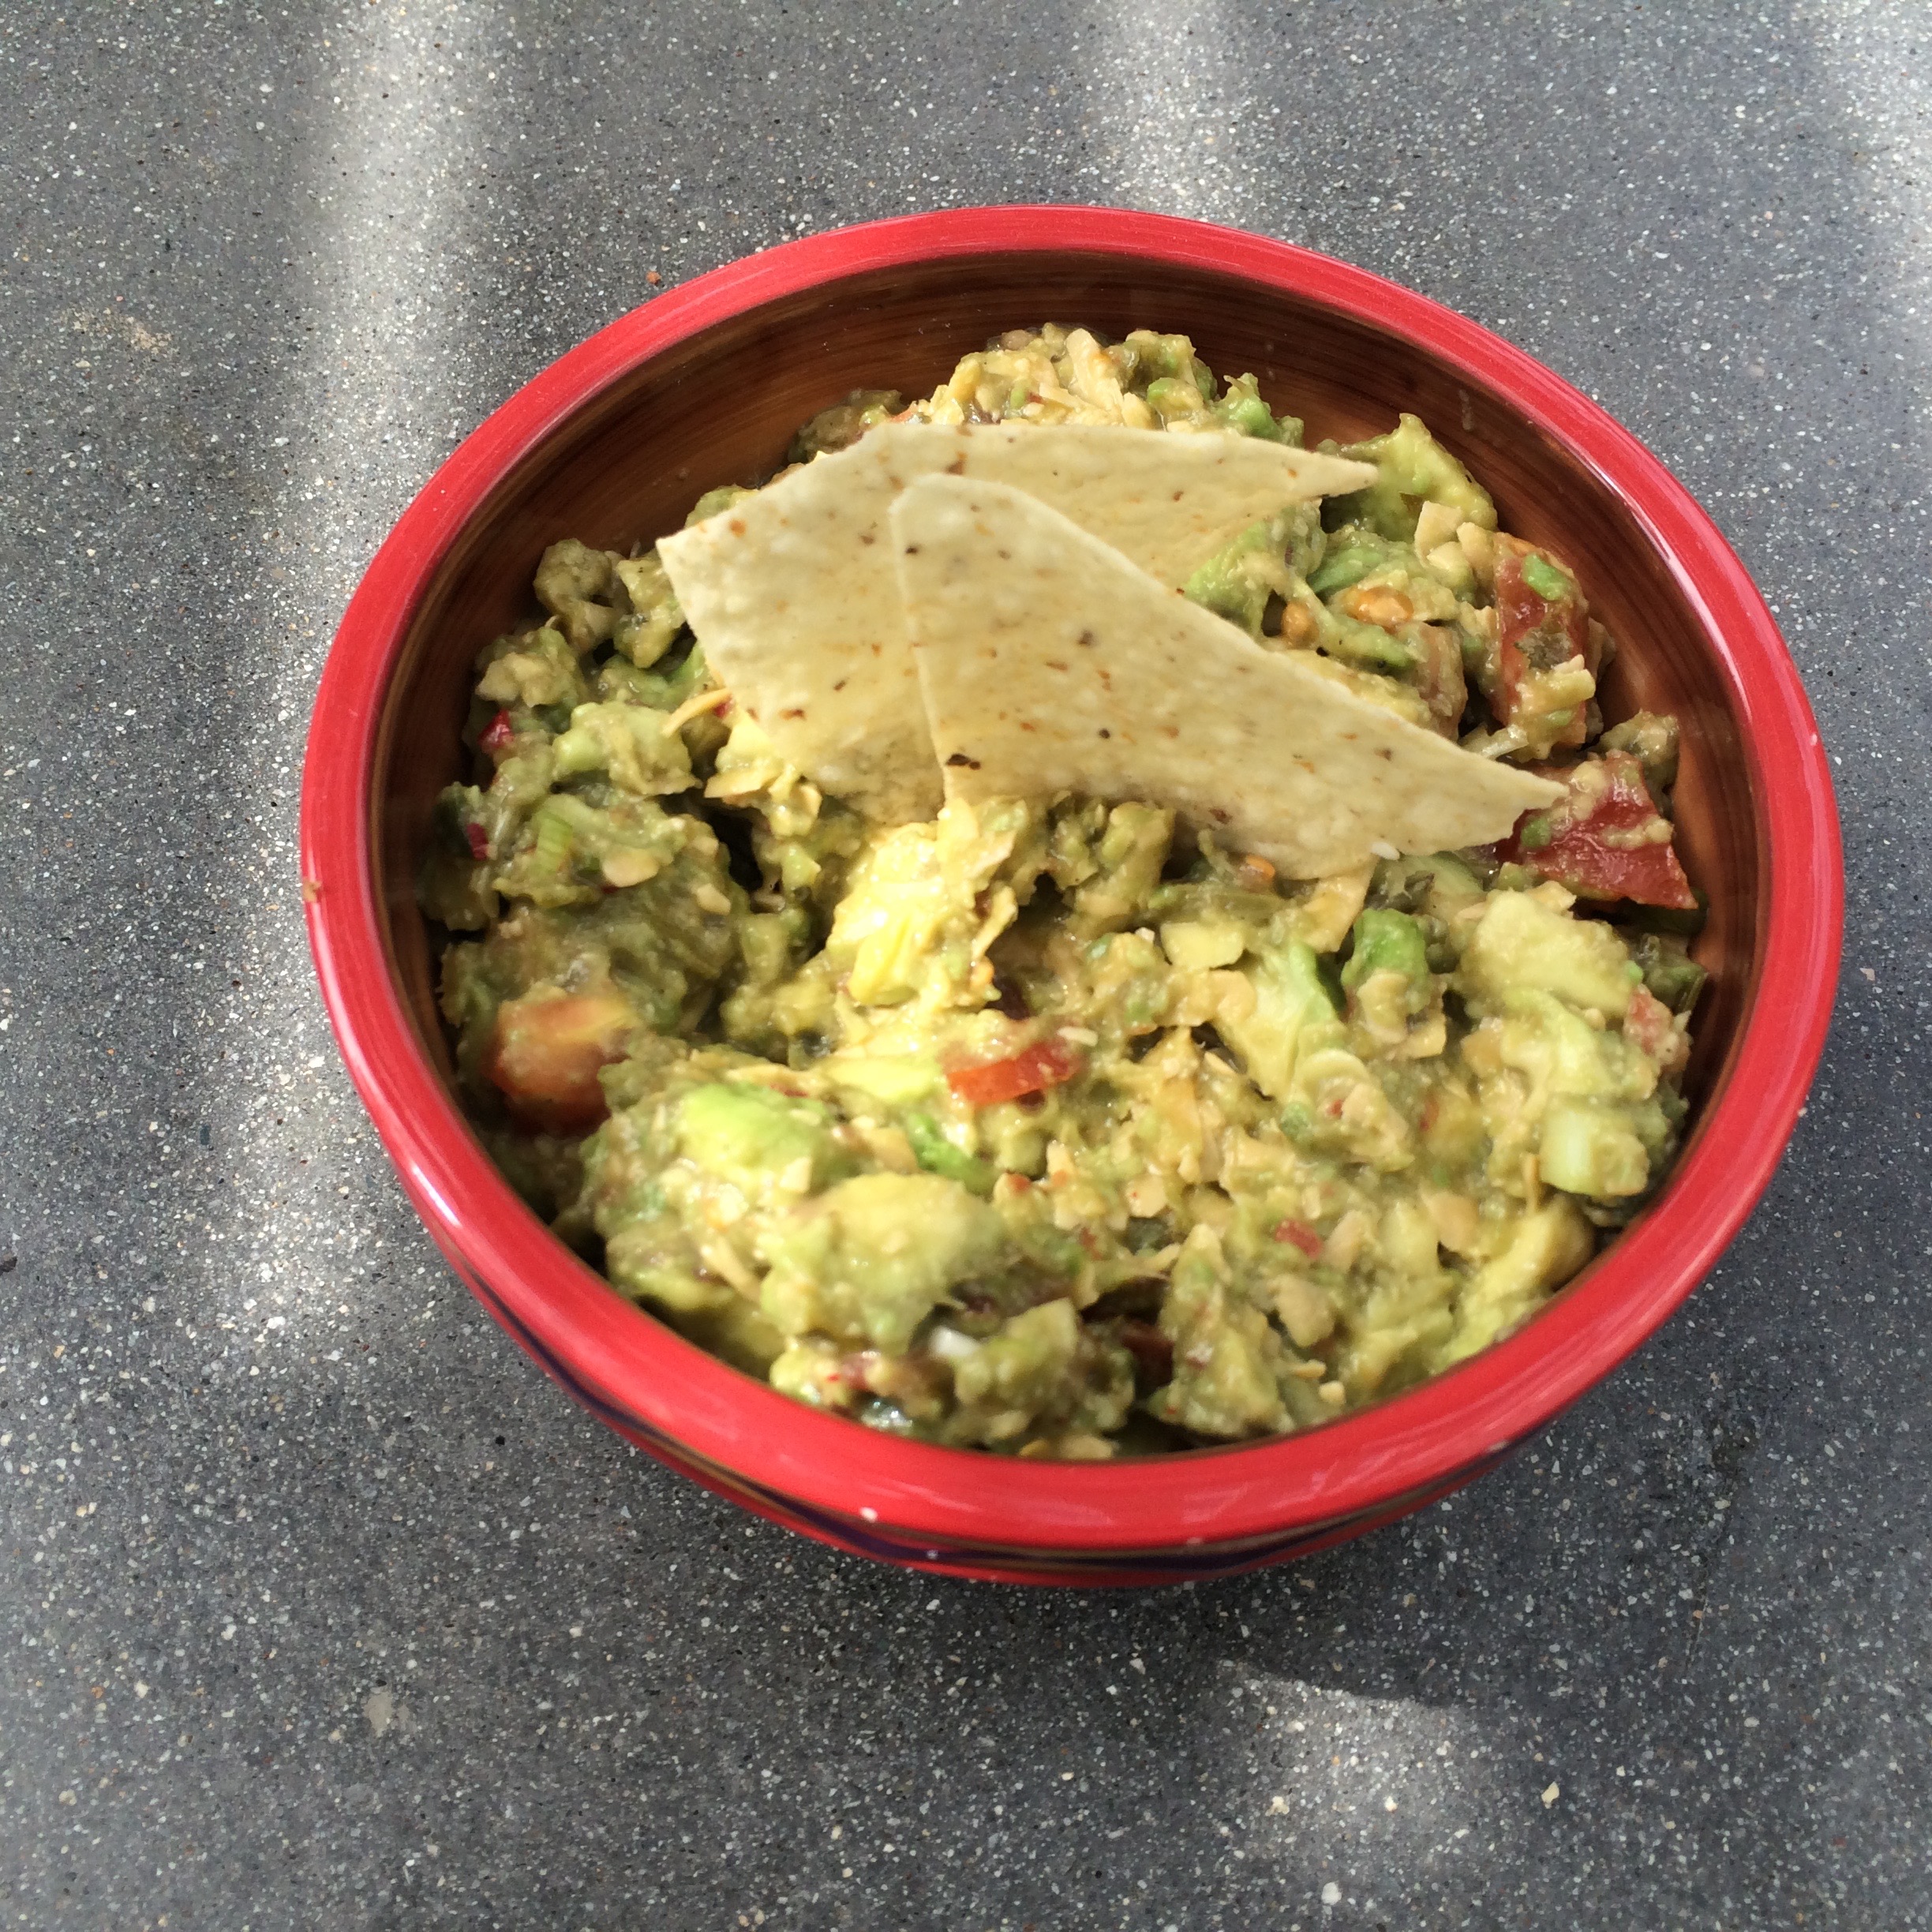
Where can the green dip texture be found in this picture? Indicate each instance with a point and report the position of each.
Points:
(1051, 1127)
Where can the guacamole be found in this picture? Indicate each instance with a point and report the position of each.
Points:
(1059, 1125)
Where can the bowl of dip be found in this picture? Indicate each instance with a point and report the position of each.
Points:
(704, 387)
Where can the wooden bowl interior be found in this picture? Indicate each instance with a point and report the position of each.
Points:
(721, 407)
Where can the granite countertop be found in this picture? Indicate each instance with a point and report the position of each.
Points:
(319, 1605)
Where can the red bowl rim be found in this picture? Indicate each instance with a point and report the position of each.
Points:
(832, 1466)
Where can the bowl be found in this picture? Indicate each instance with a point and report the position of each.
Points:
(703, 386)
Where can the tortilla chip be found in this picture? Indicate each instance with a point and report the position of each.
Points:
(1168, 501)
(1049, 663)
(794, 593)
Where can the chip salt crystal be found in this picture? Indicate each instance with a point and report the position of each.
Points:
(1050, 663)
(794, 595)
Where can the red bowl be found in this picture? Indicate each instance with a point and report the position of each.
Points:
(703, 386)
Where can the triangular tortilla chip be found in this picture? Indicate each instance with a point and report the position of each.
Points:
(794, 596)
(1050, 663)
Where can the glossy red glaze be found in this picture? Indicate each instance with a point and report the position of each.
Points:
(703, 385)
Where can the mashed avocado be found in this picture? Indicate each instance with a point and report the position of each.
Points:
(1055, 1126)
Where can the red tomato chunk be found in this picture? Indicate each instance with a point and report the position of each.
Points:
(1542, 622)
(1606, 840)
(1046, 1063)
(1302, 1234)
(1649, 1024)
(544, 1055)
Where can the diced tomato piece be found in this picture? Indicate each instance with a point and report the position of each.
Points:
(478, 841)
(499, 735)
(1440, 676)
(1536, 632)
(1302, 1234)
(1606, 840)
(1647, 1026)
(1046, 1063)
(546, 1052)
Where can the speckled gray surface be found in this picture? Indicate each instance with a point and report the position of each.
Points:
(319, 1607)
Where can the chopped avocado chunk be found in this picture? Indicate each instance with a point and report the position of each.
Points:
(1387, 942)
(1198, 945)
(1591, 1147)
(1547, 1039)
(759, 1140)
(1652, 739)
(1549, 581)
(1240, 409)
(1672, 976)
(870, 1260)
(1352, 554)
(655, 618)
(1288, 1000)
(938, 1154)
(627, 742)
(842, 424)
(579, 588)
(1387, 977)
(537, 669)
(1546, 1247)
(1415, 469)
(1229, 1362)
(1041, 1368)
(1237, 582)
(1440, 890)
(1521, 941)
